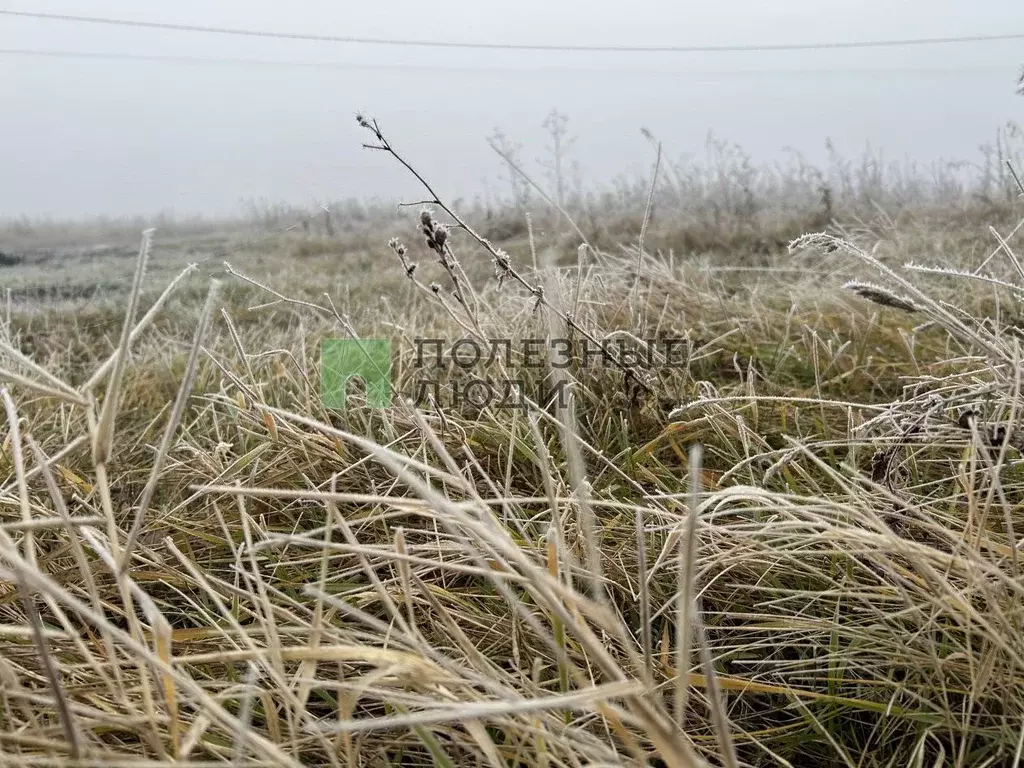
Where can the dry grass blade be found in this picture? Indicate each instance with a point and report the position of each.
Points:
(38, 370)
(14, 425)
(648, 207)
(685, 604)
(540, 190)
(172, 424)
(52, 672)
(104, 434)
(403, 572)
(716, 700)
(57, 394)
(162, 647)
(574, 460)
(45, 584)
(646, 641)
(101, 372)
(69, 448)
(585, 699)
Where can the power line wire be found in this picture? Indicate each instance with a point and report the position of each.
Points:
(518, 46)
(354, 66)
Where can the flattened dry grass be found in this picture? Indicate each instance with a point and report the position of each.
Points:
(831, 579)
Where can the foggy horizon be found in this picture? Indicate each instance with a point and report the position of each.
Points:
(94, 137)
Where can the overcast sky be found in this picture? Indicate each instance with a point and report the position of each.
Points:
(82, 137)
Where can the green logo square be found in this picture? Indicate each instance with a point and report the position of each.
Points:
(369, 359)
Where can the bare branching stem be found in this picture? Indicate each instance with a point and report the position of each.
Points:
(501, 259)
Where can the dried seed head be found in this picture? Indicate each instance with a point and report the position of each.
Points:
(397, 246)
(538, 293)
(502, 266)
(440, 235)
(435, 287)
(371, 126)
(426, 218)
(881, 295)
(823, 240)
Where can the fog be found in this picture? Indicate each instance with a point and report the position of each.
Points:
(88, 136)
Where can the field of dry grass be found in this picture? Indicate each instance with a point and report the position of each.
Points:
(798, 545)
